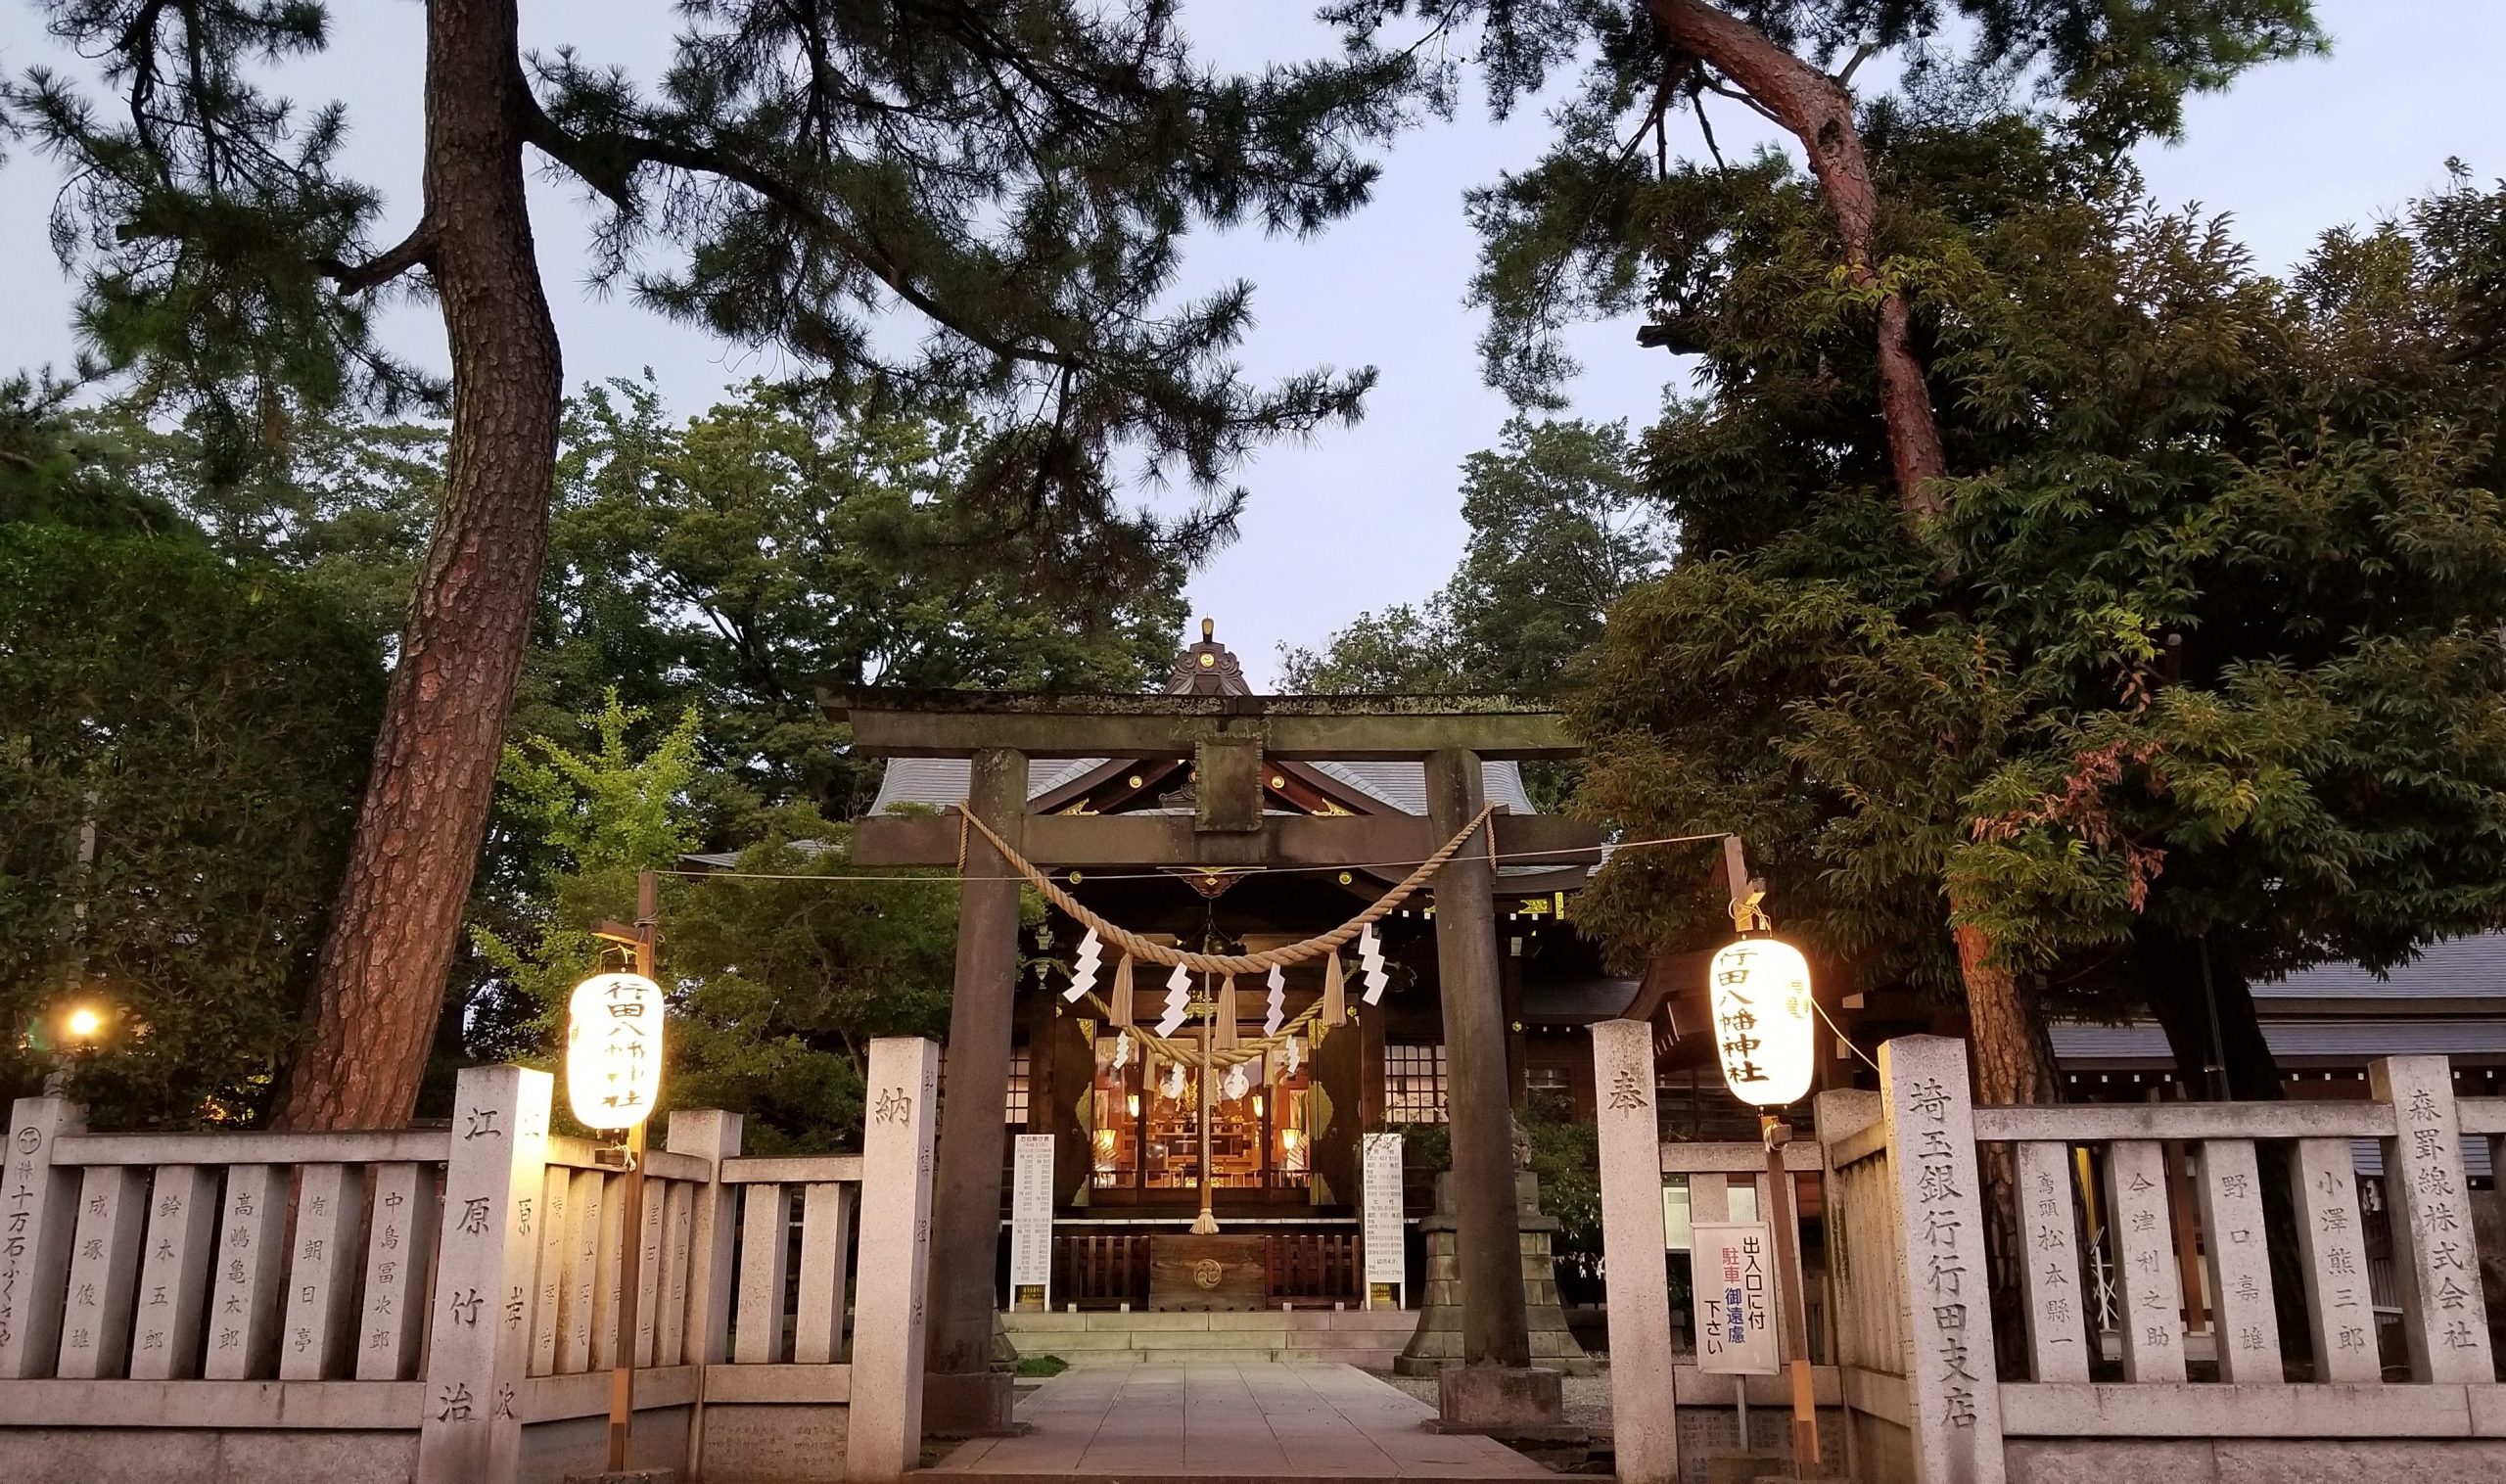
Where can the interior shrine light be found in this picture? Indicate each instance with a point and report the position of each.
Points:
(1763, 1020)
(613, 1050)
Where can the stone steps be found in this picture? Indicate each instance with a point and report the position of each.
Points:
(1368, 1339)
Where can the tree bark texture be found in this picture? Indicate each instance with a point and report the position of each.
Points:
(396, 918)
(1819, 112)
(2181, 1001)
(2013, 1063)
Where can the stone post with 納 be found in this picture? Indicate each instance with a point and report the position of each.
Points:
(1953, 1401)
(479, 1340)
(1644, 1422)
(884, 1433)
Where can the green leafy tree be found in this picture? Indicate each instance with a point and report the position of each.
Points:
(2213, 667)
(739, 560)
(182, 745)
(1589, 231)
(785, 982)
(777, 975)
(604, 815)
(344, 503)
(1017, 184)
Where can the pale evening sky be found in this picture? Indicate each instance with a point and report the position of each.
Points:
(1360, 517)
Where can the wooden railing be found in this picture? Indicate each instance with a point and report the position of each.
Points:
(1100, 1271)
(1311, 1266)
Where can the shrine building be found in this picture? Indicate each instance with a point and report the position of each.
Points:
(1284, 1136)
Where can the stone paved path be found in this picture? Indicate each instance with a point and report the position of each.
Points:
(1211, 1421)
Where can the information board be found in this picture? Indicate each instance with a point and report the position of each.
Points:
(1734, 1275)
(1380, 1214)
(1031, 1220)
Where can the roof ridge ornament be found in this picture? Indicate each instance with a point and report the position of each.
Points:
(1207, 669)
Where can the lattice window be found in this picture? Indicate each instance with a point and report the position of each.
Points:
(1545, 1078)
(1016, 1111)
(1414, 1083)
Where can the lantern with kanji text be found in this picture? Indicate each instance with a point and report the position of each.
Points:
(613, 1050)
(1760, 993)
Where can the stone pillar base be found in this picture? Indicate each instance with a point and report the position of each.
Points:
(968, 1405)
(1502, 1401)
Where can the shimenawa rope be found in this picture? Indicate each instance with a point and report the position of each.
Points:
(1230, 963)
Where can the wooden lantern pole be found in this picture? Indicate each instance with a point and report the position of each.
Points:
(621, 1374)
(1746, 894)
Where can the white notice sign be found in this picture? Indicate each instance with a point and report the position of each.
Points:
(1381, 1211)
(1734, 1273)
(1031, 1220)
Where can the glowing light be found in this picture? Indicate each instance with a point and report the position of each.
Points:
(1763, 1020)
(1134, 1100)
(84, 1024)
(613, 1050)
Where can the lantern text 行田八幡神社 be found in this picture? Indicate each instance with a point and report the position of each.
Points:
(613, 1050)
(1762, 1020)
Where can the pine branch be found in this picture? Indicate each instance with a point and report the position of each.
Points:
(411, 252)
(606, 163)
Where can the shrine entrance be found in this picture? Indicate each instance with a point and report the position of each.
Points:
(1202, 1088)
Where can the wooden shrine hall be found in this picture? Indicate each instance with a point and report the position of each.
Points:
(1208, 821)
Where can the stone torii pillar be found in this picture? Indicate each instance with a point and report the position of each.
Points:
(962, 1395)
(1495, 1388)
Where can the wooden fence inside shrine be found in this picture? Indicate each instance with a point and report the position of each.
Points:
(444, 1304)
(2189, 1288)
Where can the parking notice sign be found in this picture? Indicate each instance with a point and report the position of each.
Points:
(1734, 1275)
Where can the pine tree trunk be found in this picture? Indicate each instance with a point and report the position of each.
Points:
(396, 918)
(1819, 112)
(2013, 1063)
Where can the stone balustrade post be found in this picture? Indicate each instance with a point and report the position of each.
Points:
(704, 1325)
(2435, 1258)
(38, 1215)
(1953, 1399)
(884, 1433)
(1640, 1357)
(479, 1344)
(175, 1273)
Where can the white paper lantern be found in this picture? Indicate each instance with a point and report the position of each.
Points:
(1762, 1020)
(613, 1050)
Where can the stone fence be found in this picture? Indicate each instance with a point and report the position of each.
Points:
(442, 1305)
(2210, 1221)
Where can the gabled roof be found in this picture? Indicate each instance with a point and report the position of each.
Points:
(941, 782)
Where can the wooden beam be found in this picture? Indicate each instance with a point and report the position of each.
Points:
(1089, 842)
(1341, 729)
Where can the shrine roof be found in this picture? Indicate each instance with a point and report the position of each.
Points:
(941, 782)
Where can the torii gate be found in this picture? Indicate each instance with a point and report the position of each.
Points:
(1228, 736)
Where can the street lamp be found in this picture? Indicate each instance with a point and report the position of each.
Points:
(1763, 1029)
